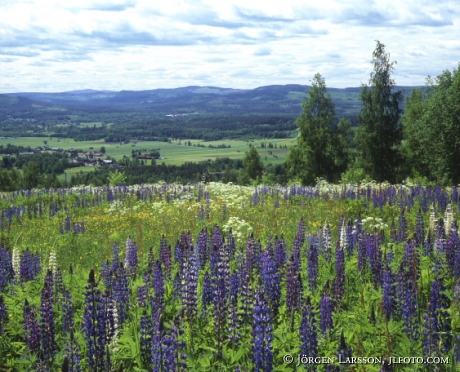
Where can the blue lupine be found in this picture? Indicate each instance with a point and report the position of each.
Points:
(158, 286)
(189, 285)
(326, 308)
(206, 298)
(3, 315)
(142, 295)
(280, 253)
(313, 267)
(145, 330)
(451, 249)
(402, 228)
(293, 286)
(389, 304)
(419, 229)
(339, 281)
(343, 351)
(131, 260)
(428, 245)
(67, 313)
(94, 325)
(115, 257)
(262, 351)
(271, 280)
(31, 328)
(121, 294)
(407, 300)
(72, 353)
(437, 330)
(308, 333)
(202, 243)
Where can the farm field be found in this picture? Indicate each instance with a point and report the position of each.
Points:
(172, 153)
(253, 279)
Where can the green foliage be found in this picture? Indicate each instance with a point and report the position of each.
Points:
(379, 133)
(320, 150)
(432, 129)
(252, 167)
(116, 178)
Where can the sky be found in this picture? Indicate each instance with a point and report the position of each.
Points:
(56, 45)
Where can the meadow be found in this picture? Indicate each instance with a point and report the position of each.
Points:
(174, 153)
(217, 277)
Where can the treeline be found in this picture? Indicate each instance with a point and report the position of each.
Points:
(422, 143)
(124, 128)
(222, 169)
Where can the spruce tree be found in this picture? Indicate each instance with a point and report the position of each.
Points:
(379, 132)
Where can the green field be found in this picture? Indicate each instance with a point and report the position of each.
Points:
(172, 153)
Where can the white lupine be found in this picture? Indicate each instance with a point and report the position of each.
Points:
(448, 219)
(16, 261)
(432, 219)
(343, 236)
(52, 264)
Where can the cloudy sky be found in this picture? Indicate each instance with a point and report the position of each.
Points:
(58, 45)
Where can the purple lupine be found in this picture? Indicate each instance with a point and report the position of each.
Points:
(25, 268)
(436, 339)
(428, 245)
(165, 256)
(94, 325)
(3, 315)
(386, 366)
(262, 351)
(451, 249)
(121, 293)
(47, 329)
(189, 285)
(158, 286)
(339, 280)
(374, 254)
(107, 274)
(58, 282)
(146, 330)
(362, 252)
(219, 288)
(6, 268)
(389, 304)
(313, 267)
(419, 230)
(234, 319)
(402, 228)
(292, 286)
(202, 246)
(407, 301)
(67, 223)
(308, 333)
(31, 328)
(271, 280)
(350, 243)
(280, 253)
(67, 313)
(206, 297)
(326, 308)
(110, 317)
(131, 260)
(72, 353)
(344, 352)
(142, 295)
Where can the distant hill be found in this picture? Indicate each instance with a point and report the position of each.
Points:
(271, 99)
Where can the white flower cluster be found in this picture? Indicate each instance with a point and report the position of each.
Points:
(240, 229)
(448, 219)
(432, 218)
(16, 261)
(52, 261)
(374, 223)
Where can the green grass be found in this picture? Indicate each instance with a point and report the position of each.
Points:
(172, 153)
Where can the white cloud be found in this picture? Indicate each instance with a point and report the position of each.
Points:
(129, 44)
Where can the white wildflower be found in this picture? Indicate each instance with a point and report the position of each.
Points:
(16, 261)
(52, 261)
